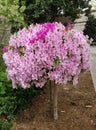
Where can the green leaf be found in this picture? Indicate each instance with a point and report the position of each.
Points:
(22, 9)
(56, 61)
(21, 50)
(3, 76)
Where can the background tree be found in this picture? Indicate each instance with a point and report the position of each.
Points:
(90, 27)
(11, 12)
(11, 15)
(40, 11)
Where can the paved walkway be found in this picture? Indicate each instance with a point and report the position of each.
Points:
(93, 65)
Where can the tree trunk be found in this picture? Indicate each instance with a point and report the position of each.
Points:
(55, 107)
(51, 98)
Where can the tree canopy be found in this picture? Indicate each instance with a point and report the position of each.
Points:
(38, 11)
(11, 12)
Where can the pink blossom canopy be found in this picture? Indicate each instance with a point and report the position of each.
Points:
(46, 52)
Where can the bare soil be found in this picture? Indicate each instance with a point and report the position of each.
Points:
(76, 108)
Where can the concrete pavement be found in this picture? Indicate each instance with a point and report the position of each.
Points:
(93, 64)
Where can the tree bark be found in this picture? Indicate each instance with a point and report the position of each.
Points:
(55, 107)
(51, 98)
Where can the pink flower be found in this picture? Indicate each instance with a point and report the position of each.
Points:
(69, 25)
(41, 34)
(32, 40)
(5, 48)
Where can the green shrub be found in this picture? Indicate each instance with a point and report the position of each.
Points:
(5, 125)
(90, 27)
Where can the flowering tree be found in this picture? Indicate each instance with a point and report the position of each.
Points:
(46, 52)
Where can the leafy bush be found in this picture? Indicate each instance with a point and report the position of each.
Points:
(5, 125)
(90, 27)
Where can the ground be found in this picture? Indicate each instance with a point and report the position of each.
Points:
(76, 109)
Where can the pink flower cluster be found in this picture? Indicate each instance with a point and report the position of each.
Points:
(5, 49)
(46, 52)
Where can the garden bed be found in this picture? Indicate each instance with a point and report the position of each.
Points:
(76, 107)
